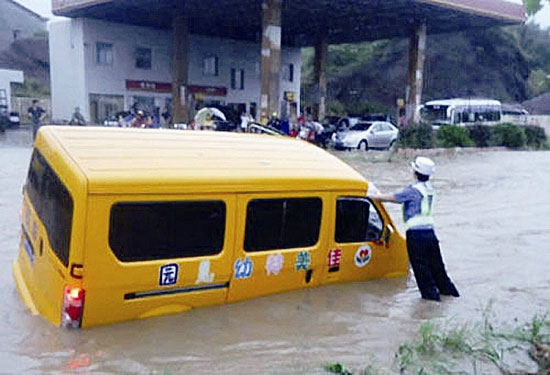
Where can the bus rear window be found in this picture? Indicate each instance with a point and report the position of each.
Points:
(53, 204)
(141, 231)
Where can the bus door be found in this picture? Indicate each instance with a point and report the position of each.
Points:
(279, 244)
(356, 245)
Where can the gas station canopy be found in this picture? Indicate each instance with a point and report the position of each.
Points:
(340, 21)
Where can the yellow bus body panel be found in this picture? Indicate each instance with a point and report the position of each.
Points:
(101, 167)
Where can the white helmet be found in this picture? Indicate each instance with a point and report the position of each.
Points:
(423, 166)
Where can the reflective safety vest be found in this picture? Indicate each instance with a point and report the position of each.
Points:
(425, 217)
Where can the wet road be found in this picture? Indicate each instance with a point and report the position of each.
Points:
(492, 221)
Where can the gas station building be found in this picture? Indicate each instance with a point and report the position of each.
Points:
(111, 55)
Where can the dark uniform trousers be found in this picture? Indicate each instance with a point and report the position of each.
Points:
(427, 264)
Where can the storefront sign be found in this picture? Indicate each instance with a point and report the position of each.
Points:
(207, 90)
(149, 86)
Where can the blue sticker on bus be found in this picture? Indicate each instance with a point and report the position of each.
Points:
(243, 270)
(168, 274)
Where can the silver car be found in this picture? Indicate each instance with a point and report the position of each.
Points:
(365, 135)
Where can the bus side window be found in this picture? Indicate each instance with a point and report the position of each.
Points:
(285, 223)
(357, 220)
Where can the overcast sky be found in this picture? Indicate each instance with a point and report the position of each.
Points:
(43, 7)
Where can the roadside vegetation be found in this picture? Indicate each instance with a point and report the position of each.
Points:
(470, 348)
(422, 136)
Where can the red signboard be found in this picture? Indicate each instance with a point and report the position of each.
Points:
(207, 90)
(149, 86)
(167, 87)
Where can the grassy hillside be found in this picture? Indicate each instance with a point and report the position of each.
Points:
(511, 64)
(32, 57)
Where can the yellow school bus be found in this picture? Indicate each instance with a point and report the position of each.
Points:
(121, 224)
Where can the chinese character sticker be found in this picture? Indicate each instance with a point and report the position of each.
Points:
(168, 274)
(205, 276)
(303, 260)
(274, 264)
(334, 257)
(243, 270)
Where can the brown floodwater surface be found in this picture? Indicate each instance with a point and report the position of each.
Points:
(492, 220)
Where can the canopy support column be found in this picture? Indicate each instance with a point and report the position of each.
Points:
(271, 59)
(417, 52)
(180, 63)
(320, 76)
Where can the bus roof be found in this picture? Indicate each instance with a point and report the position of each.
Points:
(459, 102)
(134, 161)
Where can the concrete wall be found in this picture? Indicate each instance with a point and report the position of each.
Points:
(76, 74)
(543, 121)
(16, 19)
(67, 69)
(7, 77)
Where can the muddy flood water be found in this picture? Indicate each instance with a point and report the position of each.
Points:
(492, 220)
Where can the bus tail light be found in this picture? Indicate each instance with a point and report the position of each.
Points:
(73, 307)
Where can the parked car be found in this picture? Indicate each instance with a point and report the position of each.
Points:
(349, 121)
(377, 117)
(365, 135)
(352, 119)
(14, 120)
(233, 118)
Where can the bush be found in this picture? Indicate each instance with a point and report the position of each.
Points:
(508, 135)
(416, 136)
(480, 135)
(536, 137)
(454, 136)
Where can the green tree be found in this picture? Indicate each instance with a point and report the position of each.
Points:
(533, 6)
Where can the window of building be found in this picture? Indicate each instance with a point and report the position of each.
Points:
(210, 66)
(237, 79)
(288, 72)
(291, 72)
(53, 204)
(104, 53)
(357, 220)
(141, 231)
(144, 58)
(282, 223)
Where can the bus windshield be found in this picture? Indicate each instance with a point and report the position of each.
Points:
(435, 114)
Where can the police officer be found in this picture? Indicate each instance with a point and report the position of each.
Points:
(422, 243)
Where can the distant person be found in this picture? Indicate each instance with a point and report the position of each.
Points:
(245, 119)
(294, 131)
(208, 123)
(77, 118)
(167, 116)
(139, 121)
(422, 243)
(37, 115)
